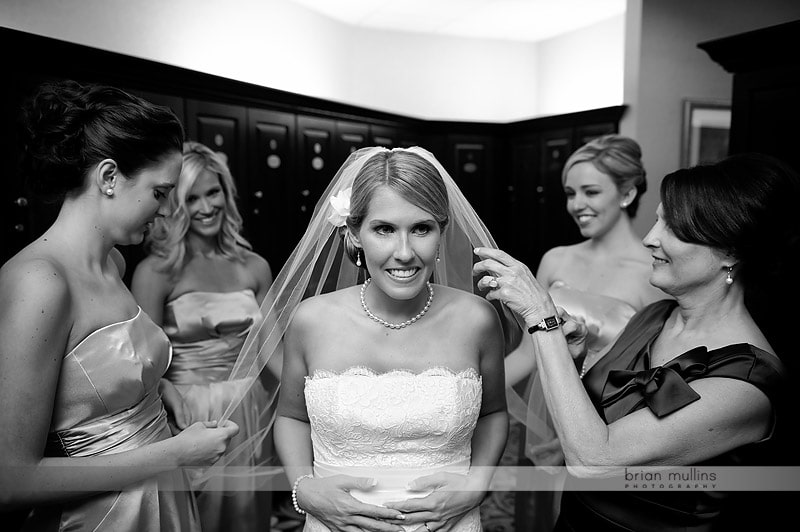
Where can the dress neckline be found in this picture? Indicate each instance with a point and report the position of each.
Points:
(207, 292)
(103, 328)
(365, 371)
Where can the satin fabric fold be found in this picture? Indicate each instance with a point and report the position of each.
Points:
(107, 402)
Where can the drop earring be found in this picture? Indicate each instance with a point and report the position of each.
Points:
(358, 258)
(438, 259)
(729, 277)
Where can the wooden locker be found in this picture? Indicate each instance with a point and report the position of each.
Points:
(350, 136)
(316, 165)
(266, 203)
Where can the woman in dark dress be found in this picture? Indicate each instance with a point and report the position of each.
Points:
(688, 382)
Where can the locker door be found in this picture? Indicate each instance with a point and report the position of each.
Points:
(383, 136)
(555, 226)
(470, 164)
(271, 150)
(222, 128)
(350, 136)
(316, 165)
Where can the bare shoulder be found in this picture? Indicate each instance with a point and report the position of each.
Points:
(322, 309)
(257, 264)
(554, 260)
(32, 272)
(34, 288)
(149, 273)
(467, 308)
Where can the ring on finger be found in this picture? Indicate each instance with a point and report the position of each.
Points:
(492, 282)
(427, 527)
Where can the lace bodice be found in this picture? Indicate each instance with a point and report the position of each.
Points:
(403, 419)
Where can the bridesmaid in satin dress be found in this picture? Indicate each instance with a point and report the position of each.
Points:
(204, 285)
(603, 280)
(85, 440)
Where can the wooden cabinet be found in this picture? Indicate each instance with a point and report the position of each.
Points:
(283, 149)
(271, 166)
(765, 107)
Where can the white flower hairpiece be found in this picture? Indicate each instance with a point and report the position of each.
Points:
(341, 207)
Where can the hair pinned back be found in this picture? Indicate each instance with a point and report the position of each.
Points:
(407, 173)
(69, 127)
(620, 158)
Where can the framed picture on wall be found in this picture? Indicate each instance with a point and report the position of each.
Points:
(706, 130)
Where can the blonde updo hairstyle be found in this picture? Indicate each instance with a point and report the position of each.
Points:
(406, 173)
(620, 158)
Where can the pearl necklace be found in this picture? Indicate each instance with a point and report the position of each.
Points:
(395, 325)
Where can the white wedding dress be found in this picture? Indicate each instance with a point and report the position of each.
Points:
(393, 427)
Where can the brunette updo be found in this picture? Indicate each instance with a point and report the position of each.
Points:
(69, 127)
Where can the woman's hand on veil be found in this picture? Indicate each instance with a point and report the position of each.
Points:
(511, 282)
(329, 500)
(453, 495)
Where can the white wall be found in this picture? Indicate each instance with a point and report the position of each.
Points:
(582, 69)
(279, 44)
(671, 68)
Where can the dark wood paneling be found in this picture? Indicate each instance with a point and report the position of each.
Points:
(271, 141)
(316, 164)
(221, 127)
(256, 126)
(350, 136)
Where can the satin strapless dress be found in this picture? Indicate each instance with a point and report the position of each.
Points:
(207, 331)
(605, 316)
(393, 427)
(108, 402)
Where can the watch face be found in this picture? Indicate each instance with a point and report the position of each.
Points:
(551, 322)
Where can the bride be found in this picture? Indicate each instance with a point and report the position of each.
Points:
(392, 411)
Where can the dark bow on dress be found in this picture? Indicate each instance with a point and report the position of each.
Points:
(663, 389)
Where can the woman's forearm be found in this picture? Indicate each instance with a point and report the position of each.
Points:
(58, 479)
(293, 445)
(582, 432)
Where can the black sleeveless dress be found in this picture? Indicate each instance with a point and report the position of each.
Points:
(623, 382)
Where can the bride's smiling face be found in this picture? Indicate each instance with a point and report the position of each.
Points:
(399, 241)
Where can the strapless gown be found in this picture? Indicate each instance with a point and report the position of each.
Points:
(605, 316)
(393, 427)
(108, 402)
(207, 331)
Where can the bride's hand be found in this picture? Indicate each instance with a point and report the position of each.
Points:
(453, 495)
(329, 500)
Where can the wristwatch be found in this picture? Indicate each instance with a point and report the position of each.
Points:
(548, 324)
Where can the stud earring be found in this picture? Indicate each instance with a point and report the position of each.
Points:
(110, 192)
(624, 205)
(358, 258)
(729, 278)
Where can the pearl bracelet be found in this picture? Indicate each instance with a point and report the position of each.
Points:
(294, 494)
